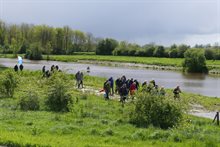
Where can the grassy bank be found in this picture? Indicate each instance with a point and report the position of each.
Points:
(94, 121)
(174, 62)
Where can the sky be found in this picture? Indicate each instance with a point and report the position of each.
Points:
(163, 22)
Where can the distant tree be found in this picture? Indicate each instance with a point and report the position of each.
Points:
(159, 52)
(174, 46)
(106, 46)
(67, 39)
(209, 54)
(78, 41)
(90, 44)
(48, 50)
(34, 52)
(173, 53)
(195, 61)
(181, 49)
(3, 33)
(59, 46)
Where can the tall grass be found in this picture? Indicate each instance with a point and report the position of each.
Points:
(92, 121)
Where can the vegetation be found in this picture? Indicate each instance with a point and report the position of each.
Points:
(106, 47)
(155, 110)
(19, 39)
(8, 82)
(58, 97)
(35, 52)
(195, 61)
(91, 118)
(29, 101)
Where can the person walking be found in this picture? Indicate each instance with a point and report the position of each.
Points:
(177, 92)
(107, 88)
(78, 78)
(111, 85)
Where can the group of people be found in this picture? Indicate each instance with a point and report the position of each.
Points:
(48, 73)
(16, 67)
(125, 87)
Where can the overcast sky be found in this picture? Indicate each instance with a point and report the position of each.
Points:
(142, 21)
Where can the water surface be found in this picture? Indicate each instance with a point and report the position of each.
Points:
(194, 83)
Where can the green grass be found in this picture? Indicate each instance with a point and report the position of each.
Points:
(174, 62)
(92, 121)
(143, 60)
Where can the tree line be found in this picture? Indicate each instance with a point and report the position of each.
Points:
(26, 38)
(35, 40)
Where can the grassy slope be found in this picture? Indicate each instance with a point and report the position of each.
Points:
(92, 122)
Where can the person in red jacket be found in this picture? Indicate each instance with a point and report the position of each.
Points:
(132, 88)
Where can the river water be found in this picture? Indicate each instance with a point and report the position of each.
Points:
(193, 83)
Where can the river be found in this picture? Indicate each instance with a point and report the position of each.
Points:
(193, 83)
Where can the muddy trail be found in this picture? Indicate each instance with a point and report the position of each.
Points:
(195, 109)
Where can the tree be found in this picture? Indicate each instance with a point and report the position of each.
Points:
(90, 42)
(159, 52)
(67, 39)
(195, 61)
(106, 46)
(209, 54)
(78, 41)
(35, 52)
(181, 50)
(59, 45)
(48, 50)
(173, 53)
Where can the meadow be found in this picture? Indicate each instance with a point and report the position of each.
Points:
(173, 62)
(93, 121)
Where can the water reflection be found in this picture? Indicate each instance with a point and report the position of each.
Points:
(194, 76)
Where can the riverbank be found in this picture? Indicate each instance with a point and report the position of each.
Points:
(145, 62)
(99, 122)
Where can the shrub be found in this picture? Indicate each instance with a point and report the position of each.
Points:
(159, 52)
(29, 101)
(158, 111)
(209, 54)
(34, 52)
(58, 97)
(8, 83)
(195, 61)
(106, 46)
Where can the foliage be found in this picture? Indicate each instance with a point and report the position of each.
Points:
(99, 122)
(29, 101)
(159, 51)
(209, 54)
(195, 61)
(106, 46)
(66, 41)
(8, 83)
(35, 52)
(58, 98)
(158, 111)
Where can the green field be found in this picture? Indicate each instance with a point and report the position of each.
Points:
(94, 121)
(174, 62)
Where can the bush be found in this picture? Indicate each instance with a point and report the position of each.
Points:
(209, 54)
(106, 46)
(158, 111)
(58, 97)
(35, 52)
(29, 101)
(195, 61)
(8, 83)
